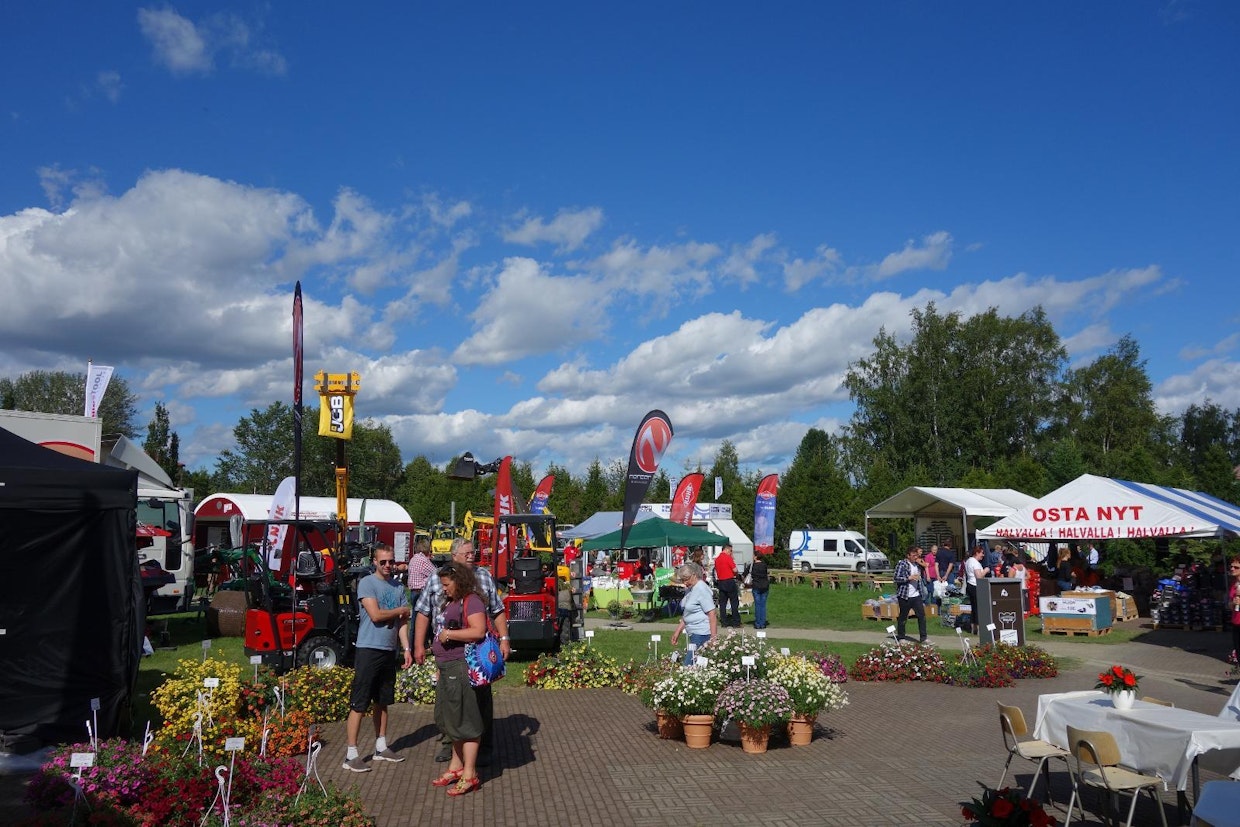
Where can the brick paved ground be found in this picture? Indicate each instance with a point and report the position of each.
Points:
(898, 754)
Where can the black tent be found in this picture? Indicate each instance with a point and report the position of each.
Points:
(71, 606)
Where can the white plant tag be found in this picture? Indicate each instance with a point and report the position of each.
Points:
(82, 759)
(211, 683)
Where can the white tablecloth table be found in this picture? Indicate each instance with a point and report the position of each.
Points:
(1161, 740)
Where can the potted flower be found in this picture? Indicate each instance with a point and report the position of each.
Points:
(728, 651)
(689, 694)
(811, 692)
(1005, 808)
(755, 705)
(1121, 684)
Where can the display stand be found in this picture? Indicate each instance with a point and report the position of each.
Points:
(999, 613)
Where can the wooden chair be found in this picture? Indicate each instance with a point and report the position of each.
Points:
(1012, 723)
(1152, 700)
(1097, 761)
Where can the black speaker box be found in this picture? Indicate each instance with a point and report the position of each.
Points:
(527, 575)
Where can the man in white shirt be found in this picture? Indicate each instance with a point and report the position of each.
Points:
(973, 569)
(1091, 557)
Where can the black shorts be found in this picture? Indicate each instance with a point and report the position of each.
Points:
(374, 679)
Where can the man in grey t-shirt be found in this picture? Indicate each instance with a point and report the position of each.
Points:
(383, 630)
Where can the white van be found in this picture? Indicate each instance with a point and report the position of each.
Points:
(834, 549)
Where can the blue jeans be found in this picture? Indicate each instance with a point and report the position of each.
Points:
(759, 609)
(697, 640)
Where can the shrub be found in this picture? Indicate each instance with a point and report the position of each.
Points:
(1020, 661)
(756, 703)
(576, 666)
(810, 690)
(893, 662)
(726, 651)
(416, 685)
(689, 690)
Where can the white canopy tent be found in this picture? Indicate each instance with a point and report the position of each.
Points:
(1099, 508)
(941, 512)
(600, 523)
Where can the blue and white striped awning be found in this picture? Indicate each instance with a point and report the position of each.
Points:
(1100, 508)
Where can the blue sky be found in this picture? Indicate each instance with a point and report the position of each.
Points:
(525, 225)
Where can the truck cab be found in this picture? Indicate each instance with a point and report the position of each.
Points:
(814, 549)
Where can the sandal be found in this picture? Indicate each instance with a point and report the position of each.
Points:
(465, 785)
(448, 778)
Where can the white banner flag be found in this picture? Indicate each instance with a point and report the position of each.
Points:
(718, 487)
(281, 509)
(97, 379)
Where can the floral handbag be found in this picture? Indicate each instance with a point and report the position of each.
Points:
(484, 660)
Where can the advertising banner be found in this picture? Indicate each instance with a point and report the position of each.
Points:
(764, 515)
(653, 436)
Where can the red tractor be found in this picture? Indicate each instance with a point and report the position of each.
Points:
(526, 573)
(314, 618)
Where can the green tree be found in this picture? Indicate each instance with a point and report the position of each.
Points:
(62, 392)
(960, 395)
(264, 454)
(425, 492)
(1108, 408)
(595, 494)
(163, 444)
(815, 490)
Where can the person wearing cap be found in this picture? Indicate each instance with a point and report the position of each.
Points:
(908, 581)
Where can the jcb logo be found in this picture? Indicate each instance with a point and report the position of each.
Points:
(336, 406)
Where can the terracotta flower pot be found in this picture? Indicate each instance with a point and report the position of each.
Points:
(697, 730)
(670, 728)
(755, 738)
(801, 730)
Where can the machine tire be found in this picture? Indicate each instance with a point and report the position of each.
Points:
(806, 567)
(861, 568)
(333, 651)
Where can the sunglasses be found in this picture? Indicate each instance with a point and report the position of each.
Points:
(385, 562)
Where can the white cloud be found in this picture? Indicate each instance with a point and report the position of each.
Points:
(109, 84)
(1223, 346)
(567, 231)
(189, 48)
(933, 254)
(742, 262)
(529, 312)
(176, 41)
(655, 270)
(798, 272)
(1216, 379)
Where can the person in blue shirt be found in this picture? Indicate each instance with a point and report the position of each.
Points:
(382, 632)
(698, 618)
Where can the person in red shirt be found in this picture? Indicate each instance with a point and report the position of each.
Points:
(725, 582)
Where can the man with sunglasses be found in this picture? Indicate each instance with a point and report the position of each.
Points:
(382, 632)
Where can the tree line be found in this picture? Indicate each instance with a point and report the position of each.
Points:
(985, 401)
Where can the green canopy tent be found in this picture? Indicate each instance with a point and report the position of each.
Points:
(656, 533)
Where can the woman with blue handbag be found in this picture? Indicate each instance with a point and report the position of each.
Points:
(456, 707)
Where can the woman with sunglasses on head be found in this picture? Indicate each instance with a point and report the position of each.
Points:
(456, 705)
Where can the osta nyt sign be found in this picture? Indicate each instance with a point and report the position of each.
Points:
(1076, 522)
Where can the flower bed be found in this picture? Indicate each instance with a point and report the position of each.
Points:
(993, 666)
(124, 787)
(576, 666)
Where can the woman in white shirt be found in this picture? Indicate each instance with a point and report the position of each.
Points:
(973, 569)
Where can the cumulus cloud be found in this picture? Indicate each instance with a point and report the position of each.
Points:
(656, 269)
(1215, 379)
(567, 231)
(188, 48)
(825, 263)
(933, 253)
(529, 311)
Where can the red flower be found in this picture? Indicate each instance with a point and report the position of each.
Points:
(1107, 678)
(1002, 808)
(1117, 669)
(1130, 679)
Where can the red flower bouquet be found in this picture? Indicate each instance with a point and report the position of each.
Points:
(1006, 808)
(1117, 679)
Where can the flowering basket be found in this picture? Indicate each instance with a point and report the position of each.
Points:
(689, 690)
(1006, 808)
(756, 703)
(416, 685)
(811, 691)
(726, 653)
(1117, 679)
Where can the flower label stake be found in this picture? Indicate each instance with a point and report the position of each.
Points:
(147, 738)
(312, 766)
(255, 660)
(968, 656)
(79, 761)
(589, 636)
(654, 647)
(206, 646)
(748, 661)
(94, 714)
